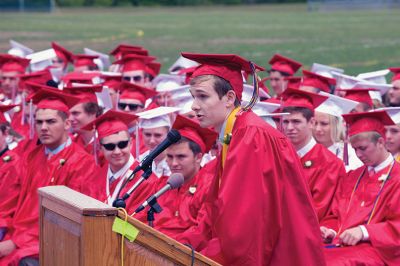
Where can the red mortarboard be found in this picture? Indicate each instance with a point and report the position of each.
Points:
(110, 123)
(84, 93)
(12, 63)
(284, 64)
(299, 98)
(293, 82)
(84, 60)
(111, 81)
(134, 91)
(127, 51)
(133, 62)
(79, 77)
(190, 129)
(62, 53)
(40, 77)
(368, 121)
(123, 46)
(51, 98)
(317, 81)
(3, 109)
(359, 95)
(226, 66)
(396, 73)
(153, 68)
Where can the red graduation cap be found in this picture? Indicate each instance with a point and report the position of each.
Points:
(110, 123)
(3, 109)
(116, 52)
(84, 60)
(133, 62)
(359, 95)
(111, 81)
(396, 73)
(13, 63)
(79, 77)
(188, 72)
(190, 129)
(368, 121)
(284, 64)
(51, 98)
(84, 93)
(40, 77)
(153, 68)
(299, 98)
(134, 91)
(226, 66)
(62, 53)
(293, 82)
(33, 87)
(127, 51)
(317, 81)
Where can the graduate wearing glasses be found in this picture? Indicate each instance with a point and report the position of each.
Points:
(115, 144)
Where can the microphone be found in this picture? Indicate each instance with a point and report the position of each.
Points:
(174, 181)
(173, 136)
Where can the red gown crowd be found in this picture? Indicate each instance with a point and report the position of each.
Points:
(302, 172)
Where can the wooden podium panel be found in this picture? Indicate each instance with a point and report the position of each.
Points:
(77, 230)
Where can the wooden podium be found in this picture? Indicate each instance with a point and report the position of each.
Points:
(77, 230)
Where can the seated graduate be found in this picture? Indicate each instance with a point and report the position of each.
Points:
(181, 206)
(56, 161)
(363, 224)
(115, 142)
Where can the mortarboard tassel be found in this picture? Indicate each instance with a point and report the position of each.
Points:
(346, 147)
(137, 141)
(31, 126)
(254, 97)
(95, 137)
(23, 111)
(116, 101)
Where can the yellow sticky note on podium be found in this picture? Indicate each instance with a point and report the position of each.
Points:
(125, 229)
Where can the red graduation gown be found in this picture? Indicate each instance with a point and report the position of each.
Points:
(10, 185)
(261, 213)
(23, 130)
(181, 206)
(384, 228)
(89, 148)
(41, 172)
(322, 176)
(97, 188)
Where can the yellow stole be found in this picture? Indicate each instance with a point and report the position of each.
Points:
(228, 134)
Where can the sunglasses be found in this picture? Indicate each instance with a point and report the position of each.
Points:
(132, 78)
(111, 146)
(131, 106)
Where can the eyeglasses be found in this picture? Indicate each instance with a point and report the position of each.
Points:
(133, 78)
(111, 146)
(131, 106)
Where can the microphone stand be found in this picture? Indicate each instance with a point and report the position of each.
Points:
(120, 202)
(154, 208)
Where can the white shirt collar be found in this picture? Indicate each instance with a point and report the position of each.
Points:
(382, 165)
(303, 151)
(122, 170)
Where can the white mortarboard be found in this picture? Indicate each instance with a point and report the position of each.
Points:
(248, 92)
(167, 82)
(381, 88)
(181, 92)
(41, 60)
(181, 63)
(265, 110)
(185, 105)
(157, 117)
(326, 71)
(393, 112)
(375, 76)
(336, 105)
(19, 49)
(345, 81)
(269, 118)
(103, 60)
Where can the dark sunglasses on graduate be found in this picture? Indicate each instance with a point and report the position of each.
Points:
(111, 146)
(132, 78)
(132, 106)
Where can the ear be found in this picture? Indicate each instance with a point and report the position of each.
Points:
(231, 97)
(311, 122)
(67, 124)
(198, 157)
(381, 142)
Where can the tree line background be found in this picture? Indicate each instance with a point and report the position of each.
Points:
(166, 2)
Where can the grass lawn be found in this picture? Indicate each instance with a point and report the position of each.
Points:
(357, 41)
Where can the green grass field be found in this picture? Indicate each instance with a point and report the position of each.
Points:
(357, 41)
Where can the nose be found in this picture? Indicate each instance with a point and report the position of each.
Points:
(127, 108)
(195, 106)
